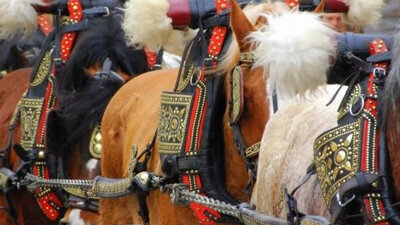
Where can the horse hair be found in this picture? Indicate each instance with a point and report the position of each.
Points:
(391, 95)
(82, 100)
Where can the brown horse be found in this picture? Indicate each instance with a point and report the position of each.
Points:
(131, 119)
(80, 96)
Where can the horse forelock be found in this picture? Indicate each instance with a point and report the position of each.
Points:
(391, 94)
(295, 50)
(103, 39)
(82, 100)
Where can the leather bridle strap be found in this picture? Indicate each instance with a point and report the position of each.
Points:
(236, 106)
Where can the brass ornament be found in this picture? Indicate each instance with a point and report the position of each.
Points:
(174, 115)
(336, 157)
(43, 70)
(253, 150)
(95, 142)
(237, 94)
(86, 194)
(30, 115)
(246, 57)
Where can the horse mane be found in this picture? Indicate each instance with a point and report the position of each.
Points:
(82, 100)
(391, 93)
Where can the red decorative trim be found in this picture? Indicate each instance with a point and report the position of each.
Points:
(336, 6)
(292, 3)
(373, 204)
(45, 24)
(48, 201)
(180, 13)
(197, 117)
(67, 41)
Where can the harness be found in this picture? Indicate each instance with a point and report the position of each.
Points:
(190, 130)
(351, 160)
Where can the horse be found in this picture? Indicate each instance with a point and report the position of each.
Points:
(76, 90)
(130, 119)
(286, 153)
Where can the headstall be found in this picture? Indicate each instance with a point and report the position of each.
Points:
(236, 106)
(349, 159)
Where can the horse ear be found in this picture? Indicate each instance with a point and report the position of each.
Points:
(241, 26)
(320, 7)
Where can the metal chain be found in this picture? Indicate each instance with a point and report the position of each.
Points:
(35, 182)
(182, 196)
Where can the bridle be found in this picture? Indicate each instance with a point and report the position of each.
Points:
(236, 107)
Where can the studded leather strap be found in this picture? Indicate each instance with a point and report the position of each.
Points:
(376, 213)
(48, 201)
(44, 23)
(205, 215)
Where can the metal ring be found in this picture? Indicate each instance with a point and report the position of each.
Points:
(361, 108)
(195, 74)
(346, 202)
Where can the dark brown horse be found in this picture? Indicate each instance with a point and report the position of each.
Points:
(82, 100)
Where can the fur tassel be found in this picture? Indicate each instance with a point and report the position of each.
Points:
(146, 23)
(18, 17)
(364, 12)
(295, 50)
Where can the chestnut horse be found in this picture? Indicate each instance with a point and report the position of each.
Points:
(81, 98)
(132, 114)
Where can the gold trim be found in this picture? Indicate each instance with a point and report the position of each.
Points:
(43, 70)
(236, 94)
(30, 116)
(185, 76)
(253, 150)
(81, 193)
(95, 145)
(173, 118)
(336, 157)
(247, 57)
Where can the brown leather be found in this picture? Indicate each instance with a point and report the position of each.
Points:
(180, 13)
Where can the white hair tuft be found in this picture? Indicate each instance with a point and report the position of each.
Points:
(295, 51)
(18, 16)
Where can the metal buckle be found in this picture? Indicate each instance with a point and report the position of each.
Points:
(346, 202)
(379, 72)
(361, 108)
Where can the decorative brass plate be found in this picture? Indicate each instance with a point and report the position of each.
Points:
(95, 142)
(237, 94)
(172, 123)
(336, 157)
(43, 70)
(30, 115)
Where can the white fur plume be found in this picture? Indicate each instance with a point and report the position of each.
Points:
(364, 12)
(146, 23)
(18, 16)
(295, 50)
